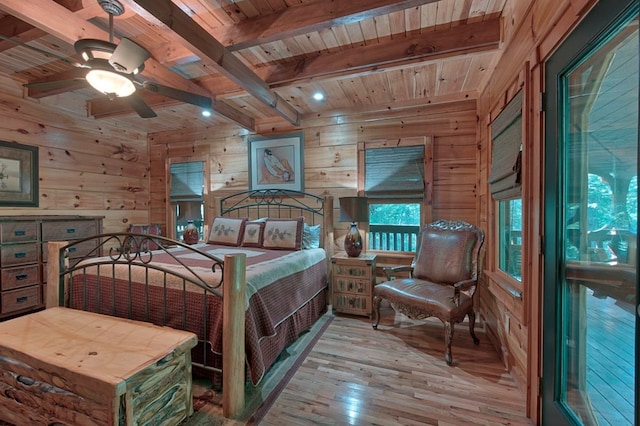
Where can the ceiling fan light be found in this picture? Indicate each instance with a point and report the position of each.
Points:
(110, 83)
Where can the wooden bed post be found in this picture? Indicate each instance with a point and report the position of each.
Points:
(53, 273)
(233, 345)
(327, 228)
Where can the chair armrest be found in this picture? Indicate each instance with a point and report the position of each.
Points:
(462, 286)
(390, 271)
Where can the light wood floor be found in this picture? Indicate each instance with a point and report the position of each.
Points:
(397, 376)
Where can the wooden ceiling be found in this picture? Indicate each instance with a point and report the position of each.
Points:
(259, 59)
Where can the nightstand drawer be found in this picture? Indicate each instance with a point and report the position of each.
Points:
(352, 304)
(352, 270)
(19, 231)
(19, 254)
(20, 276)
(17, 300)
(350, 285)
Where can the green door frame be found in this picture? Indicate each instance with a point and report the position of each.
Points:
(603, 15)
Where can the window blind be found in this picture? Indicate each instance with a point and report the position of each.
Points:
(396, 172)
(506, 156)
(187, 180)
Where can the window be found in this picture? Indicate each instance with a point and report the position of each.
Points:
(186, 196)
(505, 183)
(510, 230)
(394, 184)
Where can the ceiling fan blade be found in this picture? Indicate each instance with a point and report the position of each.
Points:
(128, 56)
(180, 95)
(56, 84)
(43, 51)
(140, 106)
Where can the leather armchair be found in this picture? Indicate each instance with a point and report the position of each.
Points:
(442, 278)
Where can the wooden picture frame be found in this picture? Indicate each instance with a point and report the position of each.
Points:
(18, 175)
(277, 162)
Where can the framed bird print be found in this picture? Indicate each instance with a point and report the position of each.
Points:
(276, 162)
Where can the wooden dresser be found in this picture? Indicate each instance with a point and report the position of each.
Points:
(23, 256)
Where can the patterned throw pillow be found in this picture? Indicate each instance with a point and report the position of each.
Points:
(153, 229)
(253, 234)
(285, 234)
(227, 231)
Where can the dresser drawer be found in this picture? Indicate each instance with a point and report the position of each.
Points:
(20, 276)
(18, 254)
(20, 299)
(68, 230)
(350, 285)
(352, 270)
(19, 231)
(78, 250)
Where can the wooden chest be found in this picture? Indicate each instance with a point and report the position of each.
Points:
(64, 366)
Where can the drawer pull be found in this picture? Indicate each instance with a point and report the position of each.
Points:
(72, 249)
(21, 277)
(71, 230)
(20, 255)
(20, 233)
(25, 380)
(22, 299)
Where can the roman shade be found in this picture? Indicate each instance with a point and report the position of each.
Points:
(187, 180)
(506, 155)
(396, 172)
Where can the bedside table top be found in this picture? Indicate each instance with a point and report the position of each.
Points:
(363, 256)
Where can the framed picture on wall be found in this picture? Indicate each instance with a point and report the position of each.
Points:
(276, 162)
(18, 175)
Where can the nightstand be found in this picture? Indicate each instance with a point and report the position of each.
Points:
(353, 281)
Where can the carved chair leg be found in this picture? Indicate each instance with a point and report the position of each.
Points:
(376, 311)
(472, 324)
(448, 337)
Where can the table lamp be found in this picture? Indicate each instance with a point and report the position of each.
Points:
(353, 209)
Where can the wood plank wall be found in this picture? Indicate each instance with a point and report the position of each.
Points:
(330, 155)
(87, 167)
(531, 31)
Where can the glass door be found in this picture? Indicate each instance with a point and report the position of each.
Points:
(591, 222)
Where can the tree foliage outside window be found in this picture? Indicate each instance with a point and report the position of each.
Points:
(394, 227)
(394, 214)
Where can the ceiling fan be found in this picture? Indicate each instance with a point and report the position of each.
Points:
(112, 69)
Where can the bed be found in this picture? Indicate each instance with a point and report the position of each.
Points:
(257, 281)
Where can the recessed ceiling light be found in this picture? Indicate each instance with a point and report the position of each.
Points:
(206, 113)
(318, 96)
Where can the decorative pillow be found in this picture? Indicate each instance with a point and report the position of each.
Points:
(227, 231)
(285, 234)
(153, 229)
(310, 236)
(253, 234)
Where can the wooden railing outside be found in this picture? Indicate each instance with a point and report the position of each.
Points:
(393, 237)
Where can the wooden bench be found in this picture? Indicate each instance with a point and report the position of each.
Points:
(72, 367)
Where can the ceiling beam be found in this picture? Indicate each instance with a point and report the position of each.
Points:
(463, 39)
(16, 29)
(59, 21)
(213, 52)
(305, 18)
(454, 41)
(105, 108)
